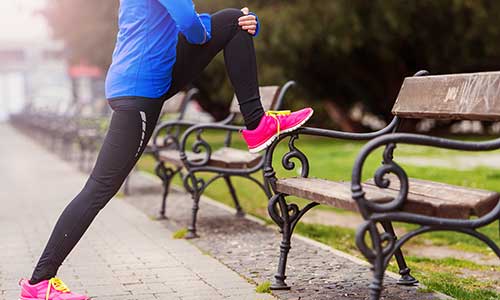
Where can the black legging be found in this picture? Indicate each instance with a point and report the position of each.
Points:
(132, 125)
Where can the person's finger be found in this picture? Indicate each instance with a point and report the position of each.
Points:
(251, 20)
(247, 18)
(248, 23)
(250, 28)
(245, 10)
(252, 32)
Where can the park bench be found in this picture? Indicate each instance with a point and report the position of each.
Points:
(223, 163)
(391, 196)
(52, 126)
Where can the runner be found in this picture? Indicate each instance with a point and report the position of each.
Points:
(162, 46)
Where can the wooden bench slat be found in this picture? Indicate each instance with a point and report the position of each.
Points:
(338, 194)
(480, 202)
(474, 96)
(332, 193)
(173, 157)
(223, 157)
(234, 158)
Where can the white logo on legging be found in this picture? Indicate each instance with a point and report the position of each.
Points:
(143, 118)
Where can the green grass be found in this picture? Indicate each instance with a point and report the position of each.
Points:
(333, 160)
(264, 288)
(450, 277)
(180, 234)
(338, 237)
(460, 288)
(458, 241)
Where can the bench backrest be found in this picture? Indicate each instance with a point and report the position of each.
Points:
(268, 97)
(174, 105)
(474, 96)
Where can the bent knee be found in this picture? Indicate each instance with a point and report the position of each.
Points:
(230, 14)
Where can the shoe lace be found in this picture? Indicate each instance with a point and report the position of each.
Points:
(58, 285)
(277, 113)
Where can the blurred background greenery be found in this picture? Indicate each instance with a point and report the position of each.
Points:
(342, 53)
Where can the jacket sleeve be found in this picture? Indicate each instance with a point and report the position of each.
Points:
(188, 21)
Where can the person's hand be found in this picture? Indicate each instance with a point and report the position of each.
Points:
(248, 22)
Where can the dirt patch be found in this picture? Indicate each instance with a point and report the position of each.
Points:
(332, 218)
(488, 276)
(444, 252)
(459, 162)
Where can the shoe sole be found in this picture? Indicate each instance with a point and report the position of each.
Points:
(40, 299)
(274, 137)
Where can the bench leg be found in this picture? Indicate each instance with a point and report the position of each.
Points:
(232, 191)
(404, 271)
(286, 217)
(377, 261)
(166, 175)
(192, 234)
(195, 187)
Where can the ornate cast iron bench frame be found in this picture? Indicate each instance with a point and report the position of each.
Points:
(385, 244)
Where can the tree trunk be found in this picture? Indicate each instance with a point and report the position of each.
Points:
(340, 117)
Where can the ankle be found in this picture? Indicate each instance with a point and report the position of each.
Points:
(33, 282)
(254, 122)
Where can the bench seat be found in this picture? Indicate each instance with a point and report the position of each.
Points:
(224, 157)
(425, 197)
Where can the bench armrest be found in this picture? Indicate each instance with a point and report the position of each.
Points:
(389, 166)
(172, 130)
(200, 145)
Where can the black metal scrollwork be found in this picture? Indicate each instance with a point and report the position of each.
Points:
(294, 152)
(192, 184)
(171, 140)
(384, 240)
(199, 146)
(163, 172)
(286, 214)
(381, 180)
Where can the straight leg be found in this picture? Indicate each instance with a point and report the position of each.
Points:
(127, 137)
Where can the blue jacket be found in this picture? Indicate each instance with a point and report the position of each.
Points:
(145, 51)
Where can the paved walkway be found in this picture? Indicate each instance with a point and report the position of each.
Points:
(315, 271)
(123, 256)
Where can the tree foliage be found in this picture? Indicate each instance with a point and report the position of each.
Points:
(88, 28)
(340, 51)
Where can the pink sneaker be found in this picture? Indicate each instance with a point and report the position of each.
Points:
(53, 289)
(272, 124)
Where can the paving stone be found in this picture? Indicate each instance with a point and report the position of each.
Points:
(123, 256)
